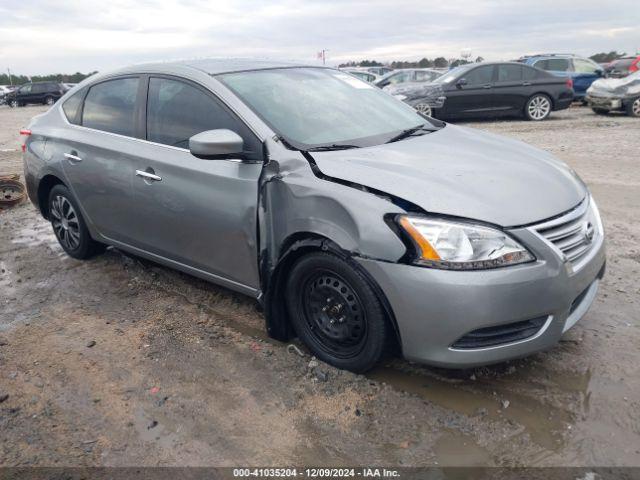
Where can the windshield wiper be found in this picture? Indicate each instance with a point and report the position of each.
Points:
(408, 132)
(335, 146)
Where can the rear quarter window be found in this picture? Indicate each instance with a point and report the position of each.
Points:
(534, 74)
(71, 108)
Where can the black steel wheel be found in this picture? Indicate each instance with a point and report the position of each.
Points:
(335, 312)
(69, 226)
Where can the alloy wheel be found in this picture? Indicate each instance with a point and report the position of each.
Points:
(334, 314)
(635, 107)
(424, 109)
(539, 107)
(14, 104)
(65, 222)
(50, 101)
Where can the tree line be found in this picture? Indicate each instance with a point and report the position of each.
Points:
(56, 77)
(441, 62)
(438, 62)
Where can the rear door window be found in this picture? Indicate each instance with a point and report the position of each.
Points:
(509, 73)
(110, 106)
(554, 64)
(480, 76)
(177, 110)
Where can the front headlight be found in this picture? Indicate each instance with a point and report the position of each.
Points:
(399, 96)
(461, 246)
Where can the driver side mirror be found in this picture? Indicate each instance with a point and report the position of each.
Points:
(461, 82)
(216, 144)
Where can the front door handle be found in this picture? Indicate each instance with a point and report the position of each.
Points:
(149, 176)
(486, 86)
(526, 84)
(72, 157)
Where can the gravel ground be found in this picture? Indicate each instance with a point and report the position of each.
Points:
(118, 361)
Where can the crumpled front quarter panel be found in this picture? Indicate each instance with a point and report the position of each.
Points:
(296, 201)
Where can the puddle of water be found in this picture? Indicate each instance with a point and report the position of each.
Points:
(455, 449)
(39, 235)
(152, 430)
(544, 423)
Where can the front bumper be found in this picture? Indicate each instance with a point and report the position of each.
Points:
(605, 103)
(435, 308)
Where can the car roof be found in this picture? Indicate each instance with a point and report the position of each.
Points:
(216, 66)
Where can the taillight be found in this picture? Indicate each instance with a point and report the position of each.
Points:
(26, 133)
(569, 83)
(634, 67)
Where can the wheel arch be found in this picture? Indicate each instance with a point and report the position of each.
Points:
(44, 188)
(546, 94)
(294, 247)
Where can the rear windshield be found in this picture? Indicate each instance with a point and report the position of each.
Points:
(312, 107)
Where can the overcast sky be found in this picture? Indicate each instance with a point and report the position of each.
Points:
(50, 36)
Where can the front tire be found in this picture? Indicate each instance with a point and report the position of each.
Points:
(49, 101)
(538, 107)
(335, 312)
(633, 107)
(14, 104)
(69, 226)
(599, 111)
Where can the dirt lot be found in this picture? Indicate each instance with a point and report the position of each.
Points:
(181, 372)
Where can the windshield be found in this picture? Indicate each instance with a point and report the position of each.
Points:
(452, 74)
(312, 107)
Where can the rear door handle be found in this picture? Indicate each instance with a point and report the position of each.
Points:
(72, 157)
(486, 86)
(147, 175)
(527, 84)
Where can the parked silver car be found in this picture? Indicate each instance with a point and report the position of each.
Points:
(357, 222)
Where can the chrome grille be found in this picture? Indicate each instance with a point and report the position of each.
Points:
(573, 234)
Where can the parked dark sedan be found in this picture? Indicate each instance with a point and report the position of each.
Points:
(500, 89)
(36, 92)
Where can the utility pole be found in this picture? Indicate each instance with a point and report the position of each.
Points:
(10, 79)
(323, 54)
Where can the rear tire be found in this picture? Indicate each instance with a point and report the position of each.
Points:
(538, 107)
(49, 101)
(633, 107)
(69, 226)
(335, 312)
(599, 111)
(424, 109)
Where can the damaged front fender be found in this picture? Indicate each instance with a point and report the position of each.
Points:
(301, 210)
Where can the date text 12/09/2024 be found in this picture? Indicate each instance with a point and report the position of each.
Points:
(315, 472)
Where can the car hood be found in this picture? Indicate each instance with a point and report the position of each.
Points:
(463, 172)
(629, 85)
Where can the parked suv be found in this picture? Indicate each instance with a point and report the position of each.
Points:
(358, 223)
(582, 71)
(36, 92)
